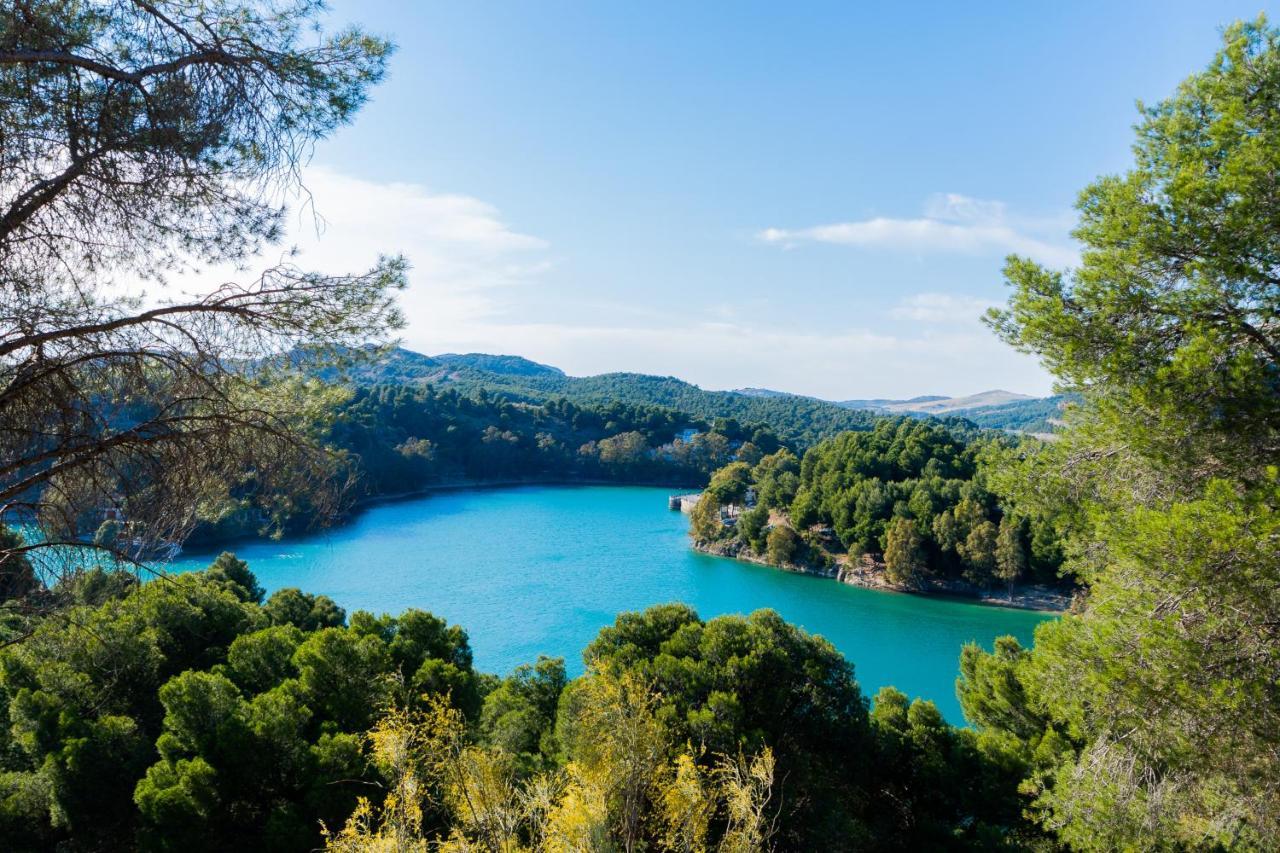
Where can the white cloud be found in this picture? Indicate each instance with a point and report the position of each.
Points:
(941, 308)
(961, 208)
(952, 223)
(463, 254)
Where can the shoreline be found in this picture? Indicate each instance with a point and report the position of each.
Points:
(1035, 597)
(502, 483)
(369, 501)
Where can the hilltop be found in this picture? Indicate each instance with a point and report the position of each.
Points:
(939, 405)
(798, 420)
(996, 409)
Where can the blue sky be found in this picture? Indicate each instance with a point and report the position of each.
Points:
(811, 197)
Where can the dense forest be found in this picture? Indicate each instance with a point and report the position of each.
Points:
(190, 714)
(194, 712)
(912, 492)
(400, 438)
(798, 421)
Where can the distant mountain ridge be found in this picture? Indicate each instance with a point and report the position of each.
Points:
(797, 419)
(938, 405)
(997, 409)
(881, 403)
(505, 365)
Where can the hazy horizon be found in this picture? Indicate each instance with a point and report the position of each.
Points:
(739, 388)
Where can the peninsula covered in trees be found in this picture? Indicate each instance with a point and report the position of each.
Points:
(910, 504)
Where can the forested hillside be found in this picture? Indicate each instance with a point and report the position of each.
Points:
(913, 493)
(1043, 415)
(798, 421)
(400, 438)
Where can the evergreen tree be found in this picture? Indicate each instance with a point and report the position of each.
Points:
(1151, 717)
(1011, 554)
(904, 557)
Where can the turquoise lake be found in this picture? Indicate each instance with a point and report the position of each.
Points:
(540, 569)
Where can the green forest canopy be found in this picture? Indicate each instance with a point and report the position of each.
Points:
(914, 489)
(190, 714)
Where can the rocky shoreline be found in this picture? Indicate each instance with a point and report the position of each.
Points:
(869, 574)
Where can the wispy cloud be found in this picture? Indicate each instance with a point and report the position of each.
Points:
(465, 258)
(941, 308)
(951, 223)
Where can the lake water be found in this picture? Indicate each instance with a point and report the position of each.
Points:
(539, 570)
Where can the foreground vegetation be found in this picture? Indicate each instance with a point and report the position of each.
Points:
(190, 714)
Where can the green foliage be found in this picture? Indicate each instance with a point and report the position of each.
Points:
(799, 421)
(1171, 314)
(781, 545)
(236, 574)
(176, 715)
(704, 521)
(519, 715)
(777, 479)
(950, 483)
(1149, 718)
(954, 787)
(859, 482)
(979, 553)
(292, 606)
(729, 484)
(752, 526)
(904, 557)
(1010, 551)
(853, 781)
(17, 582)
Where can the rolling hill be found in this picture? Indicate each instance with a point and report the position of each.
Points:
(797, 419)
(800, 421)
(990, 409)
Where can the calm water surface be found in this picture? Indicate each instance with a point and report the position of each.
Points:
(539, 570)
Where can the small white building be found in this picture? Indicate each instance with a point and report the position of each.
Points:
(684, 503)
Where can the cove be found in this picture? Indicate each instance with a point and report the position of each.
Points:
(540, 569)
